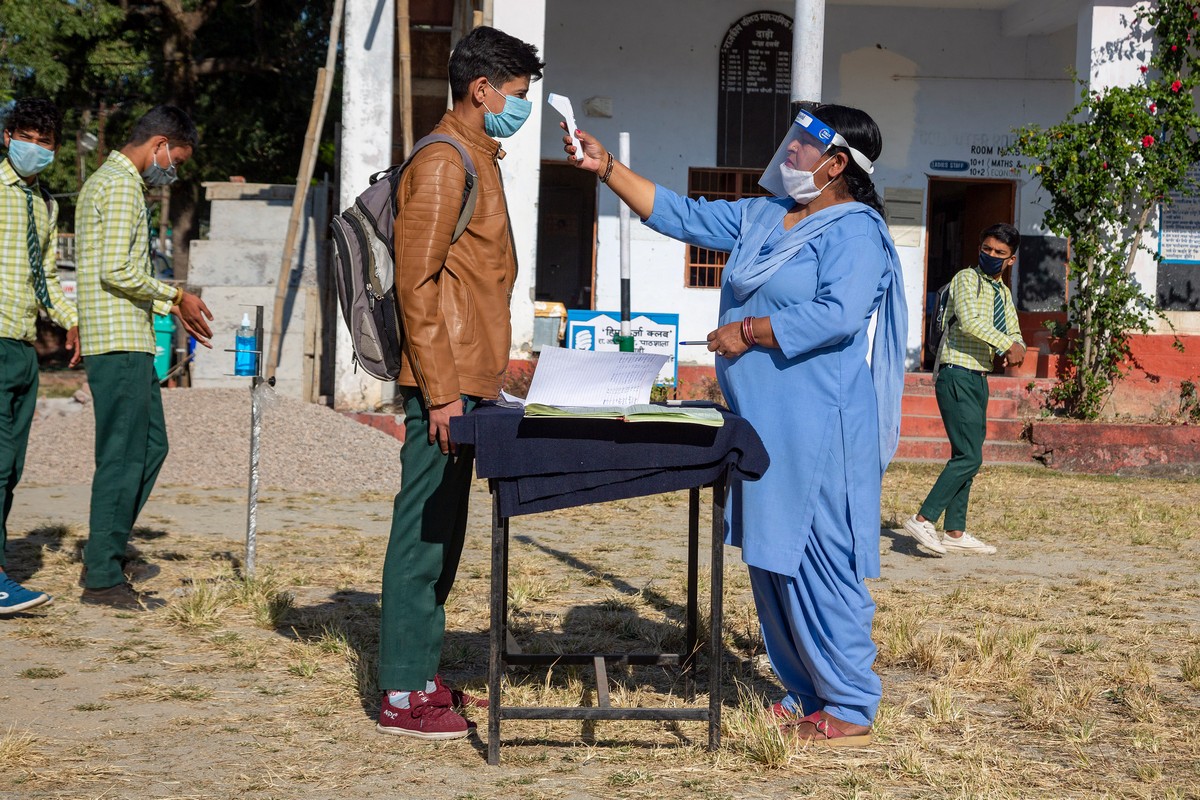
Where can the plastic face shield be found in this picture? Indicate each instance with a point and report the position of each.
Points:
(804, 148)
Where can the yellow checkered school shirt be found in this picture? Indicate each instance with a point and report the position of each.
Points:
(974, 341)
(18, 302)
(117, 291)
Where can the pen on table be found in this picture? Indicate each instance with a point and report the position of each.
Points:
(698, 341)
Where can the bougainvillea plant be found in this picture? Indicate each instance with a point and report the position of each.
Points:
(1106, 169)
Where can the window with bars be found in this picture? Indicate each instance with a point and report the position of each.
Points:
(704, 266)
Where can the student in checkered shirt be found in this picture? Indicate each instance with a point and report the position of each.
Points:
(118, 297)
(984, 327)
(28, 282)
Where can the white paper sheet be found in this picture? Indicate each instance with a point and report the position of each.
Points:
(593, 378)
(562, 104)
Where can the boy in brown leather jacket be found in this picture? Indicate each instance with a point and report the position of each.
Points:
(454, 309)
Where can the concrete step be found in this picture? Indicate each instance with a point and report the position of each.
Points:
(925, 405)
(938, 449)
(997, 382)
(998, 430)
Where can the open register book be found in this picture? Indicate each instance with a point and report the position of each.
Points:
(605, 384)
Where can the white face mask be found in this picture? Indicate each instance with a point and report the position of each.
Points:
(801, 185)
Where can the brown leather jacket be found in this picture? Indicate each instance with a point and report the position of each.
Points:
(454, 298)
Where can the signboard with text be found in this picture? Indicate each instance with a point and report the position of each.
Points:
(652, 333)
(1178, 283)
(754, 88)
(1179, 239)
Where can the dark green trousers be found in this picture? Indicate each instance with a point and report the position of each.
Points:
(131, 445)
(429, 524)
(18, 401)
(962, 397)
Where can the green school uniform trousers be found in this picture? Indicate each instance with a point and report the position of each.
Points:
(18, 400)
(429, 524)
(962, 397)
(131, 446)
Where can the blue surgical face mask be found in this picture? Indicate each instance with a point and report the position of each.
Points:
(28, 158)
(160, 176)
(511, 117)
(991, 265)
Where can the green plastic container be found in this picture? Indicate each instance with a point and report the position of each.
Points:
(164, 337)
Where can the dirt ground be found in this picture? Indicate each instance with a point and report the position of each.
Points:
(1068, 665)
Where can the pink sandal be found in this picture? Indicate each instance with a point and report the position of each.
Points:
(825, 734)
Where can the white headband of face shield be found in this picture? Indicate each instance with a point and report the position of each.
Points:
(811, 134)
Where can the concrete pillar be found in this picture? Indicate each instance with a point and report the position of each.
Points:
(366, 147)
(808, 50)
(521, 166)
(1108, 54)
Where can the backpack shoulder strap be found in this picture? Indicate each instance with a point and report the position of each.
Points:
(47, 197)
(470, 187)
(949, 321)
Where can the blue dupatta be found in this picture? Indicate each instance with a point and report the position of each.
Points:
(757, 263)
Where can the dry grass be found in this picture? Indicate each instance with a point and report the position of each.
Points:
(18, 752)
(1066, 666)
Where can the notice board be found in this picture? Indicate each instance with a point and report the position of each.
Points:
(754, 89)
(1179, 251)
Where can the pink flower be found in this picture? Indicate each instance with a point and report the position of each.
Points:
(1153, 108)
(1174, 48)
(1104, 165)
(1143, 69)
(1176, 86)
(1147, 140)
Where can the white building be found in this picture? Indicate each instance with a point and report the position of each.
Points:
(946, 80)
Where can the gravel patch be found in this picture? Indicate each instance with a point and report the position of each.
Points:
(304, 447)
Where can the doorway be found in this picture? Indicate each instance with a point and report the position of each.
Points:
(566, 246)
(958, 210)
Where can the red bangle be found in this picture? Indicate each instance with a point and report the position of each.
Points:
(748, 331)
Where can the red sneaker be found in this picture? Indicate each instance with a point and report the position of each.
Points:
(455, 698)
(423, 719)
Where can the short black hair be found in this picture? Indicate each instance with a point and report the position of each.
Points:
(35, 114)
(1003, 232)
(492, 54)
(168, 121)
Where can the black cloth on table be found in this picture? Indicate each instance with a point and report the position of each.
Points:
(545, 463)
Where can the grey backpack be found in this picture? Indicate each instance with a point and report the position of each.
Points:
(364, 263)
(943, 320)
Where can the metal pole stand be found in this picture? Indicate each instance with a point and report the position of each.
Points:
(256, 380)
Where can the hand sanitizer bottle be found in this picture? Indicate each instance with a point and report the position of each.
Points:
(245, 361)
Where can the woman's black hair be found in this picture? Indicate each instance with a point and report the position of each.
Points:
(35, 114)
(857, 128)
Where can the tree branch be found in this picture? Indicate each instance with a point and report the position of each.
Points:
(222, 66)
(1137, 237)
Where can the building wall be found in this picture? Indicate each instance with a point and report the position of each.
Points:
(237, 267)
(521, 166)
(938, 81)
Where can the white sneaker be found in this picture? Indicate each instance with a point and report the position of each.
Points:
(925, 534)
(966, 544)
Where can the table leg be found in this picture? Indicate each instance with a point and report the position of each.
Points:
(715, 646)
(498, 627)
(692, 623)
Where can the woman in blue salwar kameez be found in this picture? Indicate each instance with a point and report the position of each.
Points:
(812, 283)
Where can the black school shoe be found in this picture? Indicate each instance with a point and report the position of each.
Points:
(134, 571)
(123, 597)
